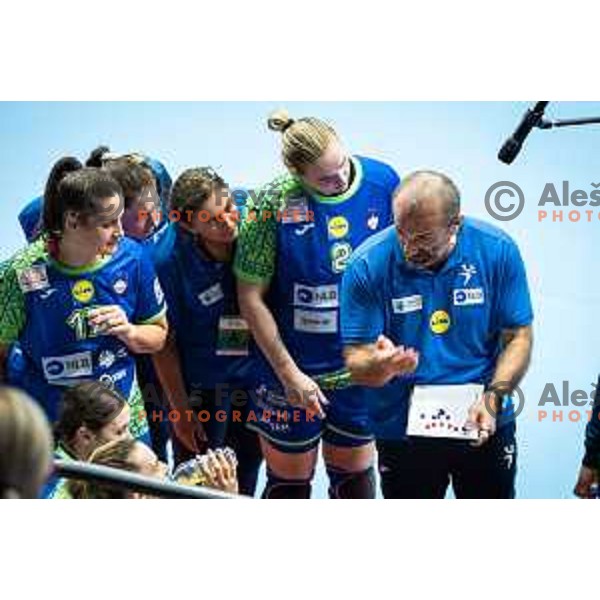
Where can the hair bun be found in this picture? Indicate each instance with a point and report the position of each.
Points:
(279, 120)
(97, 156)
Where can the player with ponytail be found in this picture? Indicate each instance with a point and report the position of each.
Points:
(82, 300)
(289, 264)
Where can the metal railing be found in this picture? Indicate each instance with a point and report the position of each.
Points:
(137, 483)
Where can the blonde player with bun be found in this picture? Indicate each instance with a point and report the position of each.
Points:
(289, 264)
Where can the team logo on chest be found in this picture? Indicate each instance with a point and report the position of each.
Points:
(83, 291)
(120, 286)
(467, 272)
(372, 221)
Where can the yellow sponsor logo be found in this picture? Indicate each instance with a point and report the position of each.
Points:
(338, 227)
(83, 291)
(439, 321)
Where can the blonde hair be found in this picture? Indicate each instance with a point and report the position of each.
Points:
(304, 140)
(115, 454)
(25, 445)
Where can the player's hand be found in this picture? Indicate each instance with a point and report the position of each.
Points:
(219, 468)
(482, 416)
(111, 320)
(302, 391)
(587, 478)
(394, 360)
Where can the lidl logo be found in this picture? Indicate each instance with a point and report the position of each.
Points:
(83, 291)
(439, 321)
(338, 227)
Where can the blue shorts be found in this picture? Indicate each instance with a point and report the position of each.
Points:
(294, 430)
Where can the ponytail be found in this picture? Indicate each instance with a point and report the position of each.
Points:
(304, 140)
(98, 156)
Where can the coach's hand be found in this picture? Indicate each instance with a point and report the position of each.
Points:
(588, 477)
(302, 391)
(482, 416)
(393, 360)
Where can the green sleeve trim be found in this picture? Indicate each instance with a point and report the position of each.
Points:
(154, 319)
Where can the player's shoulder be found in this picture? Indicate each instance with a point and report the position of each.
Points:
(277, 193)
(129, 255)
(487, 233)
(378, 172)
(376, 249)
(32, 254)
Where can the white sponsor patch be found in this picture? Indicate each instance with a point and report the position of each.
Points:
(211, 295)
(322, 296)
(158, 292)
(33, 279)
(468, 296)
(294, 215)
(407, 304)
(67, 367)
(315, 322)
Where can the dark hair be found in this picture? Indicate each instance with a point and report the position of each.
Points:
(194, 187)
(133, 177)
(73, 187)
(90, 404)
(115, 454)
(97, 156)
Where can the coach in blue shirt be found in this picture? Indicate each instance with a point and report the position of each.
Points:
(438, 299)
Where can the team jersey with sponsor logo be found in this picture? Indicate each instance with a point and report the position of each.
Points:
(299, 244)
(212, 338)
(45, 305)
(453, 317)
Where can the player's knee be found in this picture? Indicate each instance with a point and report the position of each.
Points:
(345, 485)
(279, 488)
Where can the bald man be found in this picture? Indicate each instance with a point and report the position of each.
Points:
(438, 299)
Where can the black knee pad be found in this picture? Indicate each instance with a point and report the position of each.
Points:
(345, 485)
(278, 488)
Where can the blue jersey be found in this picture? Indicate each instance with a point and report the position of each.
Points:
(453, 317)
(159, 243)
(312, 245)
(203, 311)
(46, 307)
